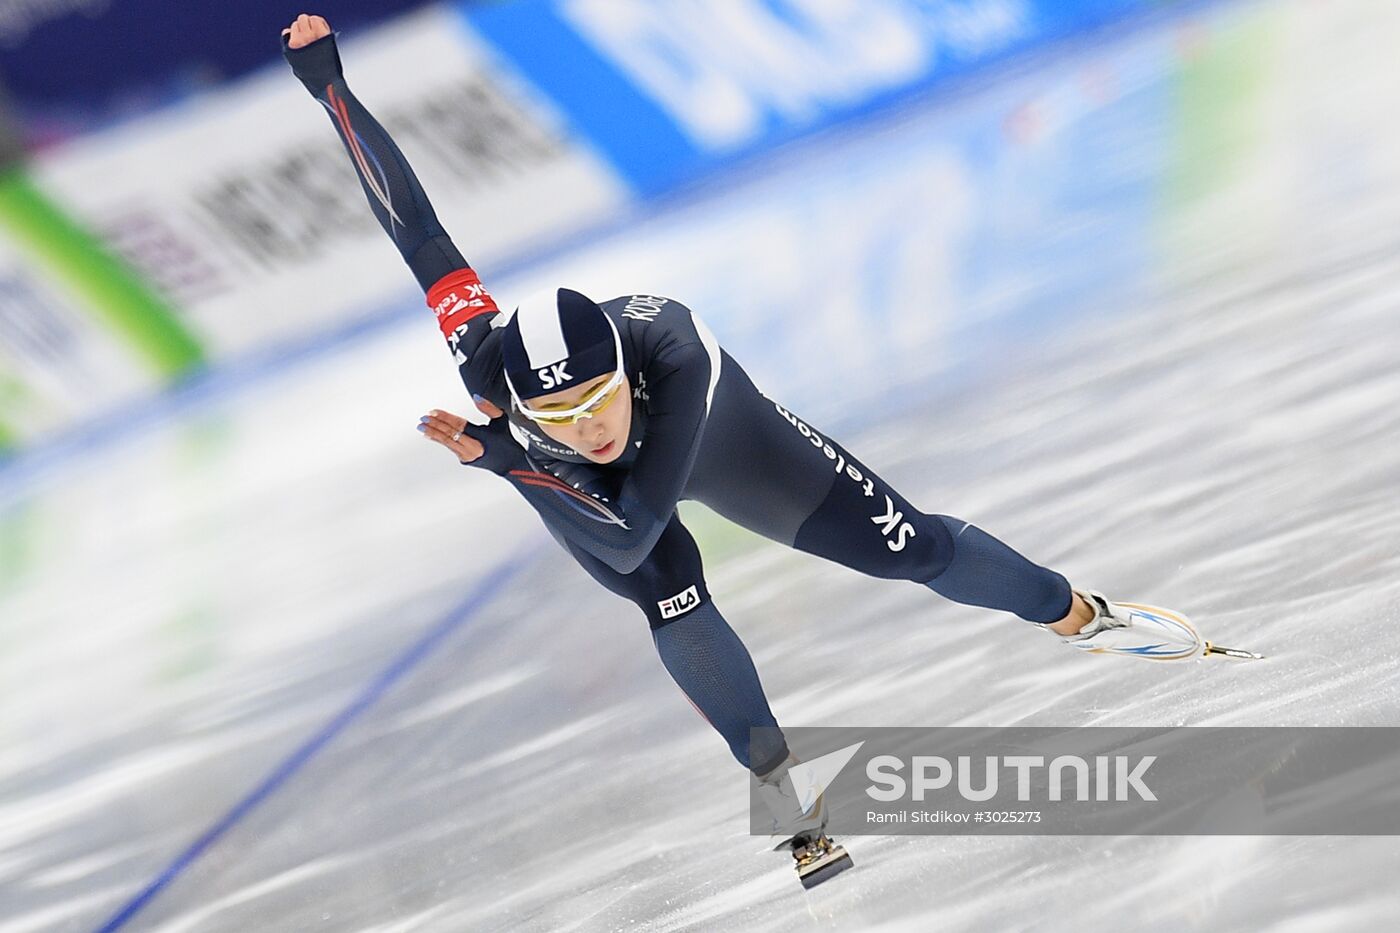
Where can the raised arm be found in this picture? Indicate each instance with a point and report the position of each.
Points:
(397, 199)
(393, 191)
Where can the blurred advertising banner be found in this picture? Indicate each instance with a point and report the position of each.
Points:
(666, 88)
(529, 121)
(136, 55)
(71, 342)
(242, 208)
(77, 328)
(928, 245)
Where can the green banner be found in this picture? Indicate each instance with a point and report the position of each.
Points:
(108, 287)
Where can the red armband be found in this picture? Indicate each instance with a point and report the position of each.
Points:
(457, 298)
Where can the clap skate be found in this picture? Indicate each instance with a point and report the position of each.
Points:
(818, 858)
(799, 826)
(1143, 631)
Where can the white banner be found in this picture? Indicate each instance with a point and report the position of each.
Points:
(58, 364)
(242, 207)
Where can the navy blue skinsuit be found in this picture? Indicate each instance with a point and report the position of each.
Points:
(700, 430)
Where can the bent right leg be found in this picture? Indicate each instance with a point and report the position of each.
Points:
(701, 652)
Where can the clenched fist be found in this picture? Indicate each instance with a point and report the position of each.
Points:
(306, 29)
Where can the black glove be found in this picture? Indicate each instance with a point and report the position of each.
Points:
(315, 65)
(503, 452)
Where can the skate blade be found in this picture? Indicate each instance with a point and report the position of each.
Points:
(1233, 652)
(1185, 623)
(826, 866)
(1183, 626)
(1151, 653)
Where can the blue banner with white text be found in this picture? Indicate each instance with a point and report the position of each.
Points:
(664, 89)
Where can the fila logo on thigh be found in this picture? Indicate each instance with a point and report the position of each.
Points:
(678, 605)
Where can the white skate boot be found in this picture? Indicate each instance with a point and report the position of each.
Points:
(799, 825)
(1137, 630)
(1143, 631)
(795, 811)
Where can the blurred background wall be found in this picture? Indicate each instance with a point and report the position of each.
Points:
(184, 209)
(1033, 224)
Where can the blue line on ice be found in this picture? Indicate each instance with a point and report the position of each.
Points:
(493, 580)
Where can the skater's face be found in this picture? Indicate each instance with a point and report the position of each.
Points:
(599, 436)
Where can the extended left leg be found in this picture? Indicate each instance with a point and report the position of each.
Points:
(764, 468)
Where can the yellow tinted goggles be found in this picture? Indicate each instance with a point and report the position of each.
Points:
(590, 406)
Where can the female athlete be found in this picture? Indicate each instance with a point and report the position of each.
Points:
(605, 415)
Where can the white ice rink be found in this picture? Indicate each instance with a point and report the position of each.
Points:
(1191, 403)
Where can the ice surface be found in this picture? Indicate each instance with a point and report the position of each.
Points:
(1215, 431)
